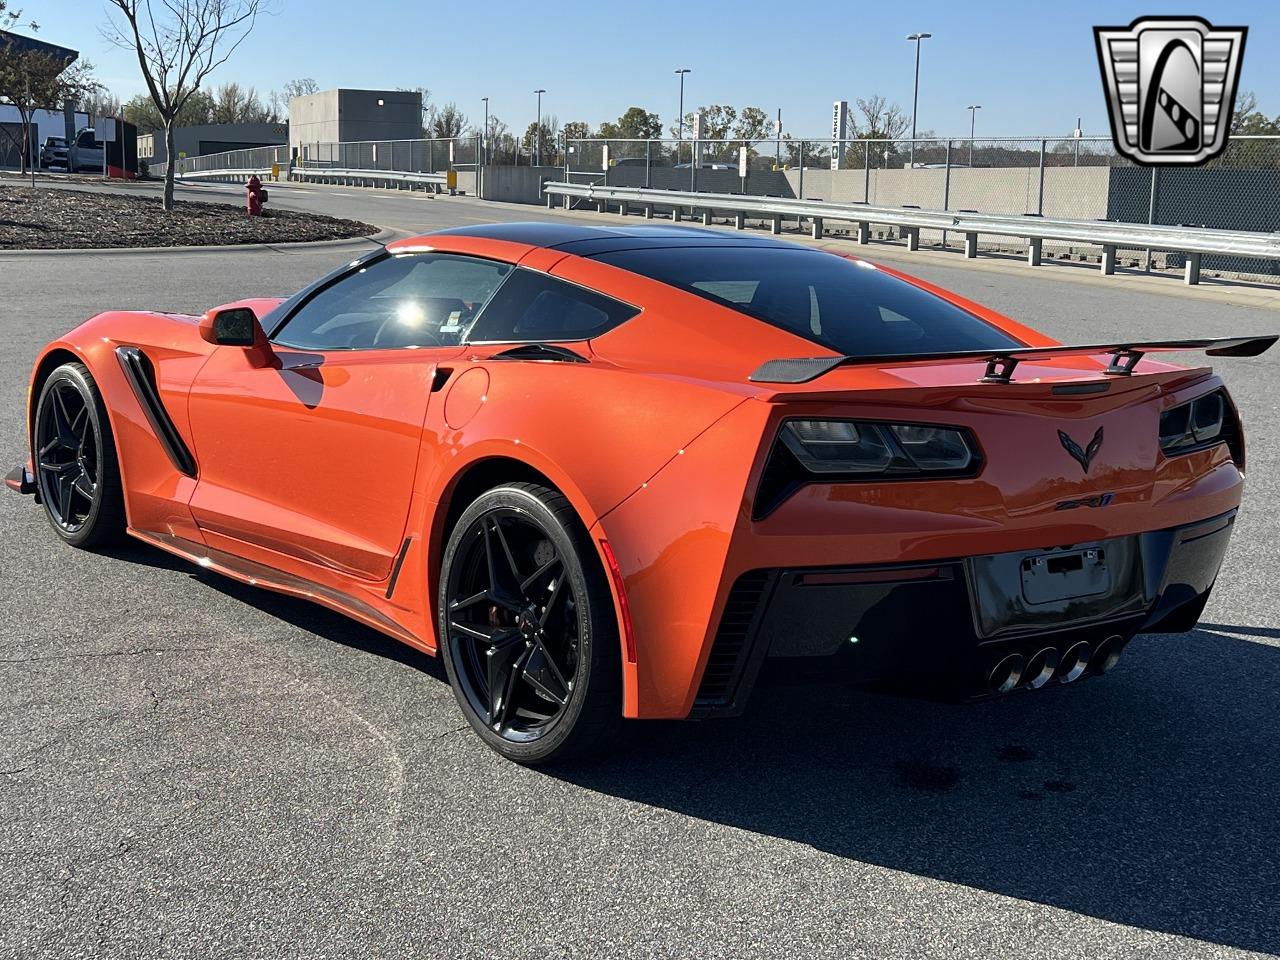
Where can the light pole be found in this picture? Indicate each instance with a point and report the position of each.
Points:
(537, 131)
(915, 97)
(680, 115)
(485, 141)
(973, 109)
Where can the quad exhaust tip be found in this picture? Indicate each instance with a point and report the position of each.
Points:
(1108, 654)
(1074, 662)
(1007, 674)
(1040, 668)
(1047, 665)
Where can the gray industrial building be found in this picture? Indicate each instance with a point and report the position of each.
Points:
(343, 116)
(197, 141)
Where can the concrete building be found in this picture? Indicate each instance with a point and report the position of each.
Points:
(343, 116)
(197, 141)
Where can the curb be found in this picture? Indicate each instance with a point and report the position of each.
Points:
(381, 238)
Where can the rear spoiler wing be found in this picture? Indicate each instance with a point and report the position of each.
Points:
(1001, 363)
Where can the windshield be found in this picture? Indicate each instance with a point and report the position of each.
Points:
(850, 307)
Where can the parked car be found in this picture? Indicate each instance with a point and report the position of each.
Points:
(87, 153)
(54, 152)
(621, 471)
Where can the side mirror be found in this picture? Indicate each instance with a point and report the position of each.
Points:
(236, 327)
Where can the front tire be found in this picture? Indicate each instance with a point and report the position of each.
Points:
(527, 626)
(74, 455)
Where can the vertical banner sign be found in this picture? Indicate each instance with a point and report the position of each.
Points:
(839, 128)
(104, 131)
(697, 138)
(604, 158)
(742, 162)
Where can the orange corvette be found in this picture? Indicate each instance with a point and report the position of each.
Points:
(616, 472)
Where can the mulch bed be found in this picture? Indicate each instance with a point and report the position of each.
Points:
(45, 219)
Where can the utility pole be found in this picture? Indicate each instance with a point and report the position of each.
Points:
(915, 97)
(537, 131)
(680, 114)
(973, 109)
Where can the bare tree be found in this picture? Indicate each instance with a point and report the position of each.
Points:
(881, 120)
(233, 103)
(178, 44)
(11, 17)
(278, 100)
(499, 142)
(140, 110)
(448, 122)
(100, 103)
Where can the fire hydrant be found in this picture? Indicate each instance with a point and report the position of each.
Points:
(257, 196)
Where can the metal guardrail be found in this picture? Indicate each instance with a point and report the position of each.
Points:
(221, 174)
(325, 175)
(349, 175)
(1110, 235)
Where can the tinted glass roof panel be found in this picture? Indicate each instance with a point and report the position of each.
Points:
(585, 239)
(847, 306)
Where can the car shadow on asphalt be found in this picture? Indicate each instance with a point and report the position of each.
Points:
(303, 614)
(325, 623)
(1147, 797)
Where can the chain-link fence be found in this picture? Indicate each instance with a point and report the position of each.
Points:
(410, 156)
(250, 158)
(1073, 178)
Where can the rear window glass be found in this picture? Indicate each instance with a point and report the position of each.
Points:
(851, 308)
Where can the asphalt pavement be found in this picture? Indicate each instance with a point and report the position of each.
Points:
(191, 767)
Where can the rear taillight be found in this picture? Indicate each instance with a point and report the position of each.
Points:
(839, 451)
(1200, 423)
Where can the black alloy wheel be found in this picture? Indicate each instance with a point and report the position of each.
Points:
(74, 457)
(527, 626)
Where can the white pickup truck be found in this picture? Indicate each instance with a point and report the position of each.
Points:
(86, 152)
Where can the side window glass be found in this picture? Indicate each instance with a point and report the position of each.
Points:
(415, 300)
(532, 307)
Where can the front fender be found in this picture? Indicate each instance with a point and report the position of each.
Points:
(155, 493)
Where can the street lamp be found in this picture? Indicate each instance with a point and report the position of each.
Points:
(680, 115)
(537, 131)
(915, 97)
(486, 130)
(973, 109)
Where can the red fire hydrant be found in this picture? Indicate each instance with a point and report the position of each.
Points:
(257, 196)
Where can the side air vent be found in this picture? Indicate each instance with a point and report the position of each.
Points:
(731, 652)
(142, 380)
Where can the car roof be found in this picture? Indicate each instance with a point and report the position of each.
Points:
(587, 241)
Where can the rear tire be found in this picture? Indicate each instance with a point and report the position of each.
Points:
(74, 456)
(527, 627)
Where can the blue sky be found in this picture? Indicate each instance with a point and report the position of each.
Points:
(1031, 65)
